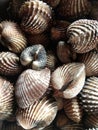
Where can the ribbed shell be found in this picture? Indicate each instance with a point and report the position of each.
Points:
(69, 79)
(12, 37)
(52, 3)
(90, 60)
(89, 95)
(39, 115)
(73, 109)
(35, 56)
(35, 16)
(9, 64)
(31, 86)
(83, 35)
(6, 98)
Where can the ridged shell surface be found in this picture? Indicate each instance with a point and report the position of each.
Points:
(83, 35)
(31, 86)
(9, 64)
(69, 79)
(35, 16)
(39, 115)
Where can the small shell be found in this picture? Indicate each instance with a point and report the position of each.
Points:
(69, 79)
(52, 3)
(38, 115)
(12, 37)
(82, 35)
(6, 98)
(31, 86)
(9, 64)
(35, 16)
(89, 95)
(34, 55)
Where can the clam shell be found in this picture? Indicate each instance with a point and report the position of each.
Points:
(69, 79)
(52, 3)
(34, 55)
(31, 86)
(89, 95)
(82, 35)
(38, 115)
(6, 98)
(12, 37)
(9, 64)
(35, 16)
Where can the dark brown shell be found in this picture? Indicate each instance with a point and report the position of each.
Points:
(52, 3)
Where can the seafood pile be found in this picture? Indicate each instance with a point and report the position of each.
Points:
(49, 65)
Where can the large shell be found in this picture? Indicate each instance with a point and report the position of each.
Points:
(9, 64)
(39, 115)
(89, 95)
(82, 35)
(12, 37)
(52, 3)
(31, 85)
(69, 79)
(35, 16)
(6, 98)
(34, 55)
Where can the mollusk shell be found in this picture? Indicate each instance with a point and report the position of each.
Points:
(9, 64)
(35, 16)
(12, 37)
(31, 86)
(82, 35)
(38, 115)
(52, 3)
(34, 55)
(69, 79)
(6, 98)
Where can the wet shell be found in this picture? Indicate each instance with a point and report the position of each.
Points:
(90, 60)
(89, 95)
(69, 79)
(12, 37)
(52, 3)
(35, 56)
(73, 109)
(9, 64)
(6, 98)
(31, 86)
(35, 16)
(39, 115)
(82, 35)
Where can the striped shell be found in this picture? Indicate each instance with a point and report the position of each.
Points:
(12, 37)
(35, 16)
(89, 95)
(31, 86)
(39, 115)
(73, 109)
(52, 3)
(34, 55)
(9, 64)
(69, 79)
(83, 35)
(90, 60)
(6, 98)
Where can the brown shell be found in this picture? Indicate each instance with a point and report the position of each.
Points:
(35, 16)
(12, 37)
(38, 115)
(52, 3)
(9, 64)
(82, 35)
(60, 102)
(31, 85)
(69, 79)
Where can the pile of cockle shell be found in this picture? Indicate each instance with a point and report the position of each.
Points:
(49, 65)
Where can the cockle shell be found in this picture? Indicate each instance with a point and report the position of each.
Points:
(38, 115)
(83, 35)
(6, 98)
(69, 79)
(34, 55)
(35, 16)
(52, 3)
(89, 95)
(31, 86)
(12, 37)
(9, 64)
